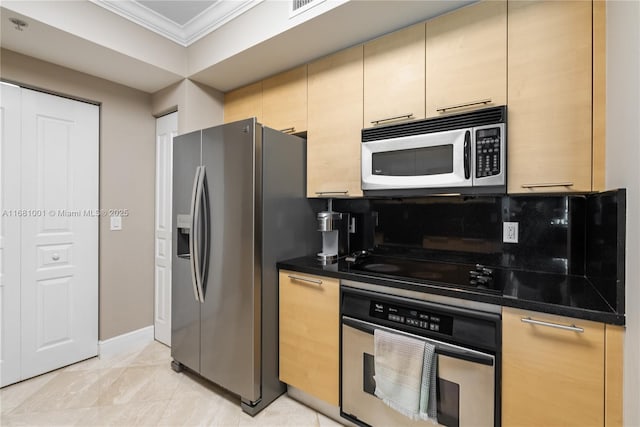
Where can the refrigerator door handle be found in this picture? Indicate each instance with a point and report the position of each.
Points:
(193, 244)
(201, 209)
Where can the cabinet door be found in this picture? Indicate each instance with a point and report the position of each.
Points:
(466, 59)
(284, 101)
(335, 123)
(243, 103)
(551, 376)
(549, 96)
(309, 319)
(394, 77)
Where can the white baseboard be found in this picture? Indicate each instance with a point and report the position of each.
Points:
(131, 341)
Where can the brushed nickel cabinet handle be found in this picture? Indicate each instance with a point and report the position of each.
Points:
(306, 279)
(55, 257)
(548, 184)
(390, 119)
(320, 193)
(572, 328)
(468, 104)
(288, 130)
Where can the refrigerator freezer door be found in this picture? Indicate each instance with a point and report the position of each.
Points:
(230, 328)
(185, 309)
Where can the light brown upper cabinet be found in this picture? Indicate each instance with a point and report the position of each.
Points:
(243, 103)
(466, 59)
(284, 101)
(394, 77)
(334, 125)
(553, 370)
(550, 93)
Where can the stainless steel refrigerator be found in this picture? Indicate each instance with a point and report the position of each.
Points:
(239, 206)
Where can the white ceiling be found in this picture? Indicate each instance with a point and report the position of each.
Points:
(252, 39)
(78, 52)
(345, 25)
(179, 12)
(181, 21)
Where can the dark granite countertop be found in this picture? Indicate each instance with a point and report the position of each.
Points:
(563, 295)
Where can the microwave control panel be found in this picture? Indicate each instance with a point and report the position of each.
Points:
(488, 152)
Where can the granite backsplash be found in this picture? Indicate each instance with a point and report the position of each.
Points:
(563, 234)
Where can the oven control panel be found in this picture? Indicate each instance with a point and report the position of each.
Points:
(429, 321)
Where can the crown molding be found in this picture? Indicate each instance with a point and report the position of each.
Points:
(207, 21)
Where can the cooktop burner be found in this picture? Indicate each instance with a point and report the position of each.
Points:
(474, 276)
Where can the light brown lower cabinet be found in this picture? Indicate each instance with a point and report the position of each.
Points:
(309, 322)
(553, 370)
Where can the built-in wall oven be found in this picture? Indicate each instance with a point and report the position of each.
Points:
(467, 339)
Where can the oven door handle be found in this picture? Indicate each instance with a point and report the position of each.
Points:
(442, 348)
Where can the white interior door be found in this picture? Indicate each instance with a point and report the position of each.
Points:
(59, 180)
(9, 234)
(166, 129)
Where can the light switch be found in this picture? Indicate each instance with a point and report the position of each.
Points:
(116, 222)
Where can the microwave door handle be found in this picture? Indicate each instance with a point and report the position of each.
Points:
(467, 154)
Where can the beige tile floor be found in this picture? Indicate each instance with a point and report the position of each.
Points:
(137, 389)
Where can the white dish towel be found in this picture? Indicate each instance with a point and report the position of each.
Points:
(405, 374)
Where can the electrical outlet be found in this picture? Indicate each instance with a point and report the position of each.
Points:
(510, 232)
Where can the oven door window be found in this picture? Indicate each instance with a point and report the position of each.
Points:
(447, 392)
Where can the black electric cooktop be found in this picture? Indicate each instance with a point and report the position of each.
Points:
(460, 275)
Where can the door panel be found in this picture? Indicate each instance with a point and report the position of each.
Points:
(185, 309)
(60, 240)
(466, 59)
(309, 334)
(166, 130)
(9, 235)
(550, 54)
(230, 335)
(335, 105)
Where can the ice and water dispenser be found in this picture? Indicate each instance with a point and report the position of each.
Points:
(184, 229)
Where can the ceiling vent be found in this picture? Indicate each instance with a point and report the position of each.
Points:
(299, 6)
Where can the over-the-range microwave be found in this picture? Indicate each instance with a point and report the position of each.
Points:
(458, 154)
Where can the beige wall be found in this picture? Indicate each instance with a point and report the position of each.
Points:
(623, 159)
(199, 106)
(127, 171)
